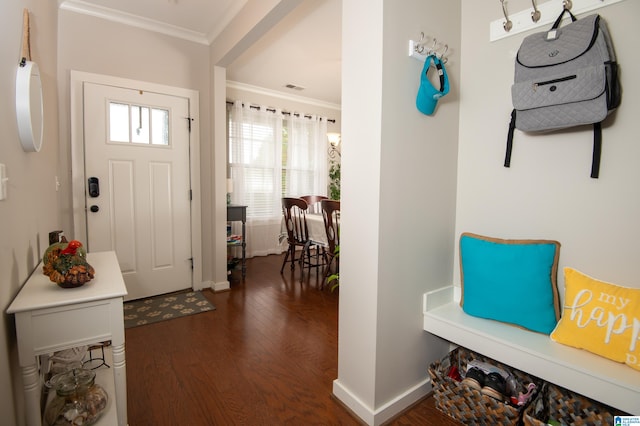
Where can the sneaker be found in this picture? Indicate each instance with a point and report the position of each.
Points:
(494, 386)
(454, 374)
(475, 378)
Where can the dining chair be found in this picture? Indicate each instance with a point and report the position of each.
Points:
(294, 211)
(331, 216)
(313, 203)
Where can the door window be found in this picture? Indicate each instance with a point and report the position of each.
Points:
(137, 124)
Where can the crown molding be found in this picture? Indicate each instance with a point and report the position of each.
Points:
(80, 6)
(282, 95)
(226, 19)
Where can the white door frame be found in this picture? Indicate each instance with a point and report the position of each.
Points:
(78, 178)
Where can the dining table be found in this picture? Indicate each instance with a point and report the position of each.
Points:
(317, 233)
(315, 225)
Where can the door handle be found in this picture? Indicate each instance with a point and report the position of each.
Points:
(94, 187)
(94, 208)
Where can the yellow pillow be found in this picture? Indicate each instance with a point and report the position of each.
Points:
(600, 317)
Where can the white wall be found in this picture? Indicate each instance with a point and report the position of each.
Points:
(398, 208)
(416, 205)
(31, 209)
(547, 192)
(251, 24)
(103, 47)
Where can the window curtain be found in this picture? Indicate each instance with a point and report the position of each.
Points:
(271, 155)
(255, 160)
(306, 156)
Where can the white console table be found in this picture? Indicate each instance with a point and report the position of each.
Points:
(50, 318)
(609, 382)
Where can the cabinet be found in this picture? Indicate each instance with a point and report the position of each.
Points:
(50, 318)
(236, 213)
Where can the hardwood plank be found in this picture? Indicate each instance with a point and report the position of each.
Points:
(266, 356)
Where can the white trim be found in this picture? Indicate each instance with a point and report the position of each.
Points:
(224, 22)
(216, 287)
(222, 286)
(78, 78)
(400, 403)
(354, 403)
(386, 411)
(196, 191)
(82, 7)
(282, 95)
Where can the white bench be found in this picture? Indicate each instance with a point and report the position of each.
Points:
(603, 380)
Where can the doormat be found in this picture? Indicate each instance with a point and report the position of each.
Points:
(165, 307)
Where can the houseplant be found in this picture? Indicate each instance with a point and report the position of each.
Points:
(335, 277)
(334, 181)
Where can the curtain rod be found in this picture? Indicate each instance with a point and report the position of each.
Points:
(330, 120)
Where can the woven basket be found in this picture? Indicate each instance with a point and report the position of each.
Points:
(468, 405)
(567, 407)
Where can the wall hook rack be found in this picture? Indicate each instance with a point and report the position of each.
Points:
(547, 13)
(425, 46)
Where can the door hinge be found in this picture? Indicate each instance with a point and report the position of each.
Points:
(191, 260)
(189, 120)
(191, 195)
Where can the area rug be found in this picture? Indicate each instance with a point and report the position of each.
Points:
(165, 307)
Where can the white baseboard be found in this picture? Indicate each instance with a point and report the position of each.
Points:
(202, 285)
(221, 286)
(385, 412)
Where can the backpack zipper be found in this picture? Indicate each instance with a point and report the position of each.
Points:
(556, 80)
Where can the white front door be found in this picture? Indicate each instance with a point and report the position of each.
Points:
(138, 190)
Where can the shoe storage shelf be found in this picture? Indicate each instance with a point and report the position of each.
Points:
(596, 377)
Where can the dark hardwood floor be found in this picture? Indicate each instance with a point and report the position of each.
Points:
(266, 356)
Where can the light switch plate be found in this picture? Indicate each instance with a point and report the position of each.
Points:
(3, 182)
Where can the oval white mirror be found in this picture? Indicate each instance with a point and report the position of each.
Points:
(29, 106)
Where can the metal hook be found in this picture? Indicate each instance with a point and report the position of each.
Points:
(446, 49)
(507, 25)
(418, 47)
(567, 4)
(433, 48)
(535, 15)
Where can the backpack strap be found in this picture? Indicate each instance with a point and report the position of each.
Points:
(556, 24)
(597, 145)
(512, 127)
(597, 150)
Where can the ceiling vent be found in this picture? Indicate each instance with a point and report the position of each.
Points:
(294, 87)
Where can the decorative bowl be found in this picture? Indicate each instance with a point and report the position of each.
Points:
(71, 284)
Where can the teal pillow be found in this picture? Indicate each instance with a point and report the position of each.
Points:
(512, 281)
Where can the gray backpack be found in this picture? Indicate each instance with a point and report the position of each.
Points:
(565, 77)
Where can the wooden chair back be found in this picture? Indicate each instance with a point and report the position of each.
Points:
(331, 216)
(313, 203)
(294, 211)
